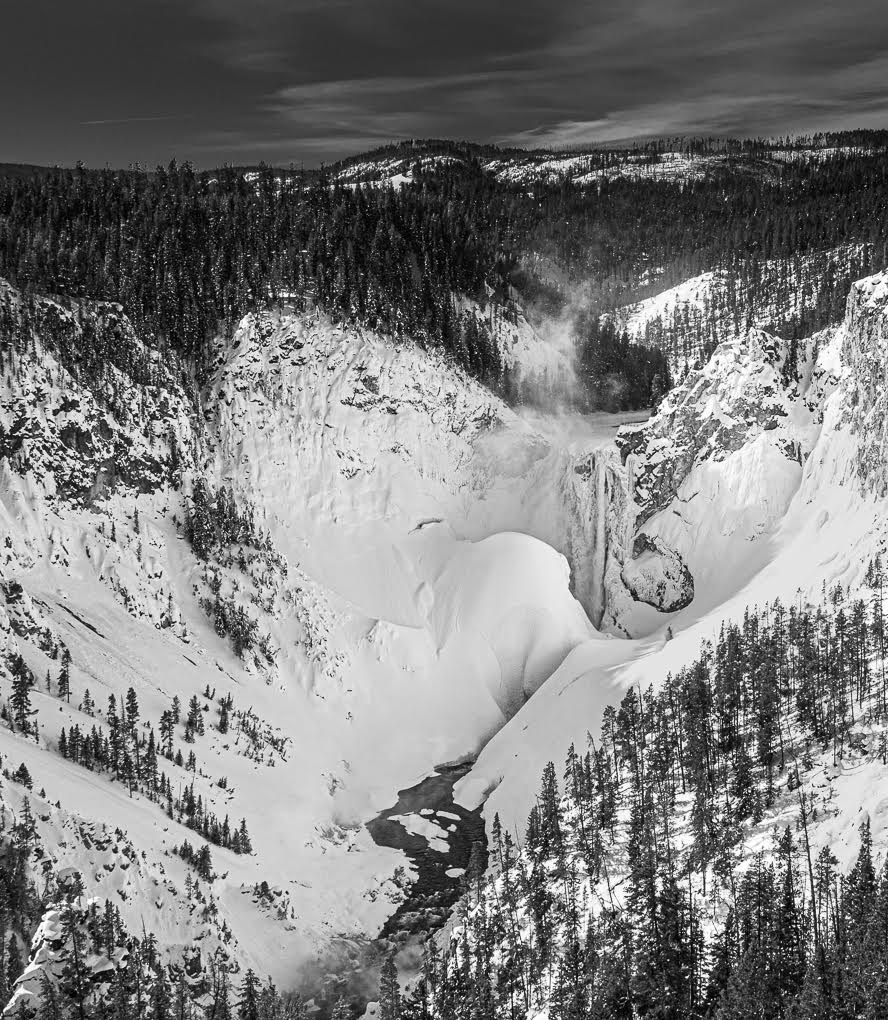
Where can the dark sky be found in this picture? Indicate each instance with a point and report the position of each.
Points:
(311, 80)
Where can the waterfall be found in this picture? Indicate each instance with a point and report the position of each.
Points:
(600, 519)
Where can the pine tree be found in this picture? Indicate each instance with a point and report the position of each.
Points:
(65, 675)
(14, 964)
(75, 975)
(246, 846)
(194, 721)
(51, 1006)
(132, 712)
(166, 733)
(248, 1006)
(182, 1001)
(20, 700)
(115, 736)
(389, 990)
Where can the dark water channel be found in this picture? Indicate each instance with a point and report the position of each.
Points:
(350, 969)
(434, 892)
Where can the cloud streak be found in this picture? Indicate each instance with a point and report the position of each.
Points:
(150, 119)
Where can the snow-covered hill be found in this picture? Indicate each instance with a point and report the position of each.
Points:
(582, 168)
(418, 574)
(690, 318)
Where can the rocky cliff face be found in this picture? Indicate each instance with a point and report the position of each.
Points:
(865, 353)
(744, 391)
(716, 470)
(716, 467)
(657, 576)
(87, 406)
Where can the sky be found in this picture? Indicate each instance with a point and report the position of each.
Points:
(310, 81)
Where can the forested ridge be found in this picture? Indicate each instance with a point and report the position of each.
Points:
(187, 253)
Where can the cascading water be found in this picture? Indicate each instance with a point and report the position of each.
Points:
(599, 519)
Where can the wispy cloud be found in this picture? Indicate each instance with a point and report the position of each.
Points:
(135, 120)
(619, 71)
(800, 76)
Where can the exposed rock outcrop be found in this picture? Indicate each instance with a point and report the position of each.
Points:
(748, 388)
(657, 575)
(865, 353)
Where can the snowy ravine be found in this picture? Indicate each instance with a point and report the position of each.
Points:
(393, 595)
(442, 578)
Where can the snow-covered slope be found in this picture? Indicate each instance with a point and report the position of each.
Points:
(425, 575)
(698, 313)
(583, 169)
(396, 587)
(764, 486)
